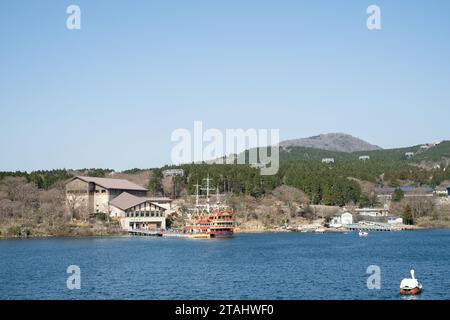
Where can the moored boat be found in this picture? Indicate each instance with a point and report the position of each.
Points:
(363, 233)
(210, 221)
(199, 235)
(320, 230)
(214, 224)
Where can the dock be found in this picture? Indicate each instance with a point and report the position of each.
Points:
(373, 226)
(174, 235)
(146, 232)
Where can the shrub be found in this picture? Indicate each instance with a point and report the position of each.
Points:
(101, 216)
(13, 231)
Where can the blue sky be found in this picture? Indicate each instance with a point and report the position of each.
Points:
(110, 94)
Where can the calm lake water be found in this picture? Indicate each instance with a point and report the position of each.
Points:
(249, 266)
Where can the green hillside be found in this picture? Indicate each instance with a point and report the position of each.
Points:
(300, 167)
(436, 153)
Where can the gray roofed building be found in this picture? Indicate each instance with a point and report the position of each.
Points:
(125, 201)
(109, 183)
(407, 190)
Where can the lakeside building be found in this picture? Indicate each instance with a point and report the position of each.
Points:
(343, 219)
(395, 220)
(120, 199)
(137, 212)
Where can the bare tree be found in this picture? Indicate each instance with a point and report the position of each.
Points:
(420, 206)
(77, 206)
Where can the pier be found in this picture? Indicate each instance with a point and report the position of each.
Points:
(146, 232)
(371, 227)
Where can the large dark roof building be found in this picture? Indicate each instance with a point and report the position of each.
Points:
(120, 199)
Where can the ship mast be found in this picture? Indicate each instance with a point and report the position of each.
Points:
(207, 192)
(217, 195)
(197, 186)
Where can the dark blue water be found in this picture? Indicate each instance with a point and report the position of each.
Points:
(249, 266)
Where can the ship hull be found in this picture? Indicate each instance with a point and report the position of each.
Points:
(222, 235)
(199, 236)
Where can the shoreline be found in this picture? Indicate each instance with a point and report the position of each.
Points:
(242, 231)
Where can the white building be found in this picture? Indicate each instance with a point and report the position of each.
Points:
(173, 173)
(373, 212)
(409, 154)
(395, 220)
(364, 158)
(137, 212)
(328, 160)
(343, 219)
(441, 192)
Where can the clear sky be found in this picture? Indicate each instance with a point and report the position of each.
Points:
(110, 94)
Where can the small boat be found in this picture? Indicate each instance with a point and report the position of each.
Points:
(410, 286)
(320, 230)
(362, 233)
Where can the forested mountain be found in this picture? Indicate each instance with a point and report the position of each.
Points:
(332, 142)
(300, 167)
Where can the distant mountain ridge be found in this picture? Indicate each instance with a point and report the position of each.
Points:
(341, 142)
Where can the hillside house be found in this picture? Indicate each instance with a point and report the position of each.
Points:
(385, 194)
(373, 212)
(328, 160)
(173, 173)
(441, 192)
(364, 158)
